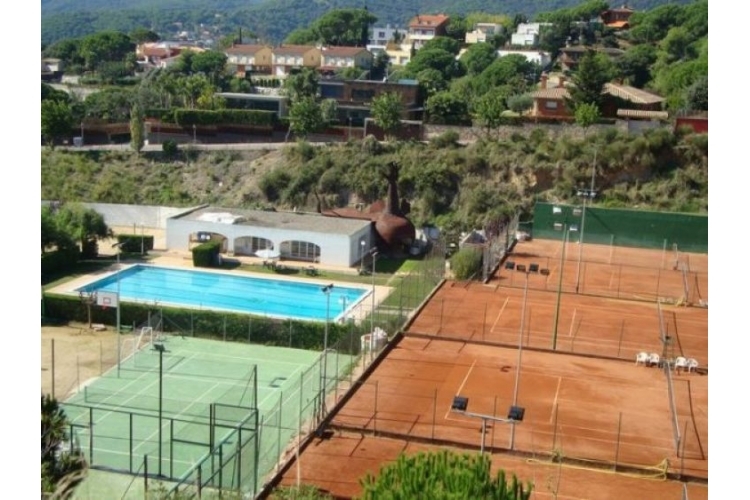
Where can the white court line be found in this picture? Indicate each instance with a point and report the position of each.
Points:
(461, 386)
(179, 413)
(554, 403)
(572, 323)
(611, 278)
(500, 313)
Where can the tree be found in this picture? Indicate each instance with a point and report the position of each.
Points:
(489, 108)
(696, 95)
(105, 46)
(57, 120)
(442, 474)
(52, 237)
(136, 129)
(634, 66)
(329, 109)
(448, 108)
(520, 102)
(344, 27)
(587, 114)
(594, 70)
(211, 63)
(478, 57)
(51, 93)
(443, 42)
(438, 59)
(143, 35)
(386, 110)
(305, 116)
(301, 36)
(61, 470)
(112, 104)
(302, 84)
(84, 225)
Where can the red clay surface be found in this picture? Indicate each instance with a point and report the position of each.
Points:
(586, 400)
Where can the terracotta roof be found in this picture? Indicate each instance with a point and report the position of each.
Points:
(158, 52)
(244, 49)
(632, 94)
(558, 93)
(428, 21)
(292, 50)
(342, 51)
(618, 24)
(642, 113)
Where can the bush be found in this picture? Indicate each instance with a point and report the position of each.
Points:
(207, 254)
(169, 147)
(446, 139)
(59, 260)
(466, 263)
(133, 243)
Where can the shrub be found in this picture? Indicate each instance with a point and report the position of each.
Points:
(466, 263)
(169, 147)
(207, 254)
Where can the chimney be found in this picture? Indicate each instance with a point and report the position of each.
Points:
(561, 81)
(543, 81)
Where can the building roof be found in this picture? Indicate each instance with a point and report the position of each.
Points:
(632, 94)
(558, 93)
(245, 49)
(428, 21)
(290, 221)
(619, 24)
(642, 113)
(342, 51)
(292, 50)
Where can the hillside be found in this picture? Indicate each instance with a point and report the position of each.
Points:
(447, 184)
(271, 19)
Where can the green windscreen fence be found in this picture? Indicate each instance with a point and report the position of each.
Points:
(631, 228)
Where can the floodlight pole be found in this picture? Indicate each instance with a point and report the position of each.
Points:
(559, 287)
(590, 193)
(160, 349)
(119, 249)
(520, 352)
(372, 313)
(326, 290)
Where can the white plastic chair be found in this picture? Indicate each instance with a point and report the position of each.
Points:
(680, 363)
(642, 358)
(692, 364)
(654, 359)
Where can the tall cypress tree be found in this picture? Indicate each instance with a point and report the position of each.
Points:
(594, 70)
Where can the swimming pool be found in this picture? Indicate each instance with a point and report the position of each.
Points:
(228, 292)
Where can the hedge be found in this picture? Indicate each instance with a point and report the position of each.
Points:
(60, 260)
(211, 324)
(224, 116)
(207, 254)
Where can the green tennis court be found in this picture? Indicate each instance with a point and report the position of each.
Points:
(215, 412)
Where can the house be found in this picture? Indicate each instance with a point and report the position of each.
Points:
(527, 34)
(426, 27)
(399, 54)
(354, 97)
(570, 56)
(381, 36)
(620, 101)
(52, 69)
(286, 58)
(617, 18)
(249, 59)
(535, 56)
(162, 54)
(336, 58)
(484, 32)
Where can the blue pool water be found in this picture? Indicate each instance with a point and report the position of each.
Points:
(227, 292)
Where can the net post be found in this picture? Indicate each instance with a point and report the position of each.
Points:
(145, 473)
(91, 435)
(130, 441)
(171, 447)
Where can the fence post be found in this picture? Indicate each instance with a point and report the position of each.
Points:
(278, 433)
(494, 414)
(53, 367)
(91, 435)
(484, 322)
(622, 332)
(171, 447)
(554, 431)
(249, 328)
(225, 328)
(682, 454)
(442, 306)
(145, 473)
(434, 411)
(375, 416)
(617, 444)
(658, 281)
(130, 444)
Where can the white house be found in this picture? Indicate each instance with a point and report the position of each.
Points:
(483, 32)
(536, 56)
(527, 34)
(380, 36)
(426, 27)
(302, 236)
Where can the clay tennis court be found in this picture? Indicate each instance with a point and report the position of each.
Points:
(586, 401)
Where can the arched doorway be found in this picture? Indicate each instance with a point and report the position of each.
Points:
(300, 250)
(248, 245)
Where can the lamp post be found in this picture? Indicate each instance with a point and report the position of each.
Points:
(361, 256)
(520, 352)
(326, 290)
(160, 349)
(374, 254)
(515, 415)
(559, 287)
(194, 139)
(119, 249)
(590, 194)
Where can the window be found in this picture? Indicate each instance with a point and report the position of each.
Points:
(550, 104)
